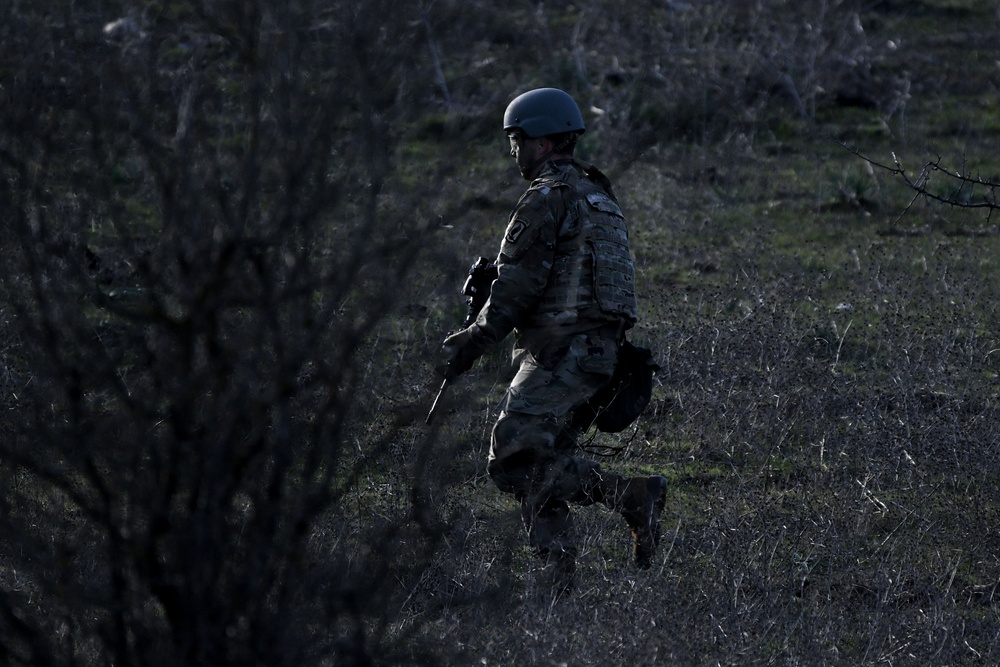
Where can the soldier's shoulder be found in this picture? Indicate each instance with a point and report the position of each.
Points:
(595, 178)
(561, 173)
(541, 194)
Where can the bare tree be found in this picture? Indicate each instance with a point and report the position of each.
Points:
(197, 245)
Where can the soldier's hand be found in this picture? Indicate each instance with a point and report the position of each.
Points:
(461, 350)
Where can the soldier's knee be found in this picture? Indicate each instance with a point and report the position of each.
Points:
(505, 433)
(521, 444)
(512, 474)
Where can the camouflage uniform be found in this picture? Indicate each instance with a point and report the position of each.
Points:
(565, 287)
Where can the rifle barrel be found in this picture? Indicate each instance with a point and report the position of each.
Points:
(437, 399)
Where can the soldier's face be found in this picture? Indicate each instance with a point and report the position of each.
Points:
(526, 152)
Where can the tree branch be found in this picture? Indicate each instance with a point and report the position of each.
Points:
(960, 186)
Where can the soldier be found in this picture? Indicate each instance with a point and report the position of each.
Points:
(565, 287)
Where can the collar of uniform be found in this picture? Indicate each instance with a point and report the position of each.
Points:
(560, 169)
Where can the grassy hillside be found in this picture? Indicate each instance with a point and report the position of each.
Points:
(827, 409)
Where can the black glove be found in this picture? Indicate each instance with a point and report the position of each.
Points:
(461, 350)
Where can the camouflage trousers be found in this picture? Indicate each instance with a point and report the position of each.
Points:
(533, 441)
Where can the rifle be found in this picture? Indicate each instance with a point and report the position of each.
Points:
(477, 288)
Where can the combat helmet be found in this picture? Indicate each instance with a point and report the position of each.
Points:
(543, 112)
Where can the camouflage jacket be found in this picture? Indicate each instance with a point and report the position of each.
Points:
(564, 264)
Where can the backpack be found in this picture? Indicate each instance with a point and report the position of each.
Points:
(620, 402)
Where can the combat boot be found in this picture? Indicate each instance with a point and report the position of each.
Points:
(641, 502)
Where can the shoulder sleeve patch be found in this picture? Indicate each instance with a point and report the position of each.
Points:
(514, 231)
(521, 233)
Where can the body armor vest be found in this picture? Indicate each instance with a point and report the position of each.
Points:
(593, 275)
